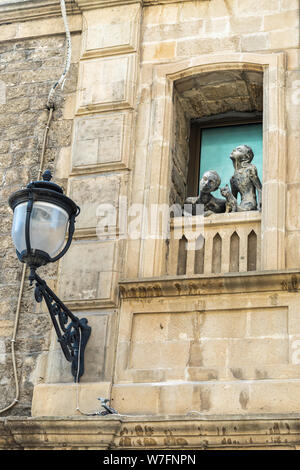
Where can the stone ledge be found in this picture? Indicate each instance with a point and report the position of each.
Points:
(23, 10)
(216, 219)
(231, 283)
(92, 4)
(11, 12)
(152, 432)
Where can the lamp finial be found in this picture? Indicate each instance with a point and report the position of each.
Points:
(47, 176)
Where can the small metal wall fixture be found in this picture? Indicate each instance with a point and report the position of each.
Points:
(42, 217)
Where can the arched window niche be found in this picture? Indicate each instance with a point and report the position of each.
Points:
(213, 113)
(249, 88)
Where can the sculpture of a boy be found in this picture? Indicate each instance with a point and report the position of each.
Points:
(209, 183)
(245, 179)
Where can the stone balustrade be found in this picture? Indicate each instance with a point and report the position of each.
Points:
(220, 243)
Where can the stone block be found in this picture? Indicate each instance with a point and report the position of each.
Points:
(157, 375)
(249, 351)
(243, 25)
(228, 397)
(274, 396)
(200, 374)
(292, 104)
(217, 27)
(208, 353)
(169, 32)
(174, 354)
(156, 355)
(61, 399)
(69, 106)
(169, 13)
(190, 47)
(182, 326)
(254, 42)
(194, 10)
(293, 59)
(277, 146)
(136, 399)
(118, 32)
(48, 27)
(227, 324)
(63, 163)
(293, 199)
(107, 83)
(150, 328)
(284, 39)
(59, 370)
(248, 7)
(101, 140)
(219, 8)
(98, 199)
(283, 20)
(293, 249)
(156, 52)
(178, 400)
(268, 322)
(289, 4)
(87, 271)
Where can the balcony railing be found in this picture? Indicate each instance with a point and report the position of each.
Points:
(220, 243)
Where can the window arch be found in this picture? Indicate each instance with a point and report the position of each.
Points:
(161, 146)
(215, 111)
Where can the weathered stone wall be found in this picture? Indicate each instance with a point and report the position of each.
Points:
(28, 69)
(124, 134)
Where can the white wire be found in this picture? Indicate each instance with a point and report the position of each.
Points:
(13, 340)
(61, 81)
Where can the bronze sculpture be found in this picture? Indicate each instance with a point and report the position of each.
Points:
(209, 183)
(231, 202)
(244, 181)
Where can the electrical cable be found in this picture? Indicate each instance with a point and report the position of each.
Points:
(44, 143)
(61, 81)
(50, 106)
(13, 340)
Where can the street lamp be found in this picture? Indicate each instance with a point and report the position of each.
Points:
(42, 217)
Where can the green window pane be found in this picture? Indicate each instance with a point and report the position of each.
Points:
(217, 144)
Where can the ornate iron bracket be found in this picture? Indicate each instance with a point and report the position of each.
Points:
(73, 333)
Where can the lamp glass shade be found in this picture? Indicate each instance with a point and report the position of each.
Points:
(47, 229)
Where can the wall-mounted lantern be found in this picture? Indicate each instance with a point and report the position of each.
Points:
(42, 217)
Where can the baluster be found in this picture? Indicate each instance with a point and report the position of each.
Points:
(182, 256)
(208, 252)
(225, 238)
(243, 249)
(173, 255)
(234, 262)
(216, 254)
(252, 251)
(199, 255)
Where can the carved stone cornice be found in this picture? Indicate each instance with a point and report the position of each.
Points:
(11, 12)
(196, 431)
(172, 286)
(90, 304)
(25, 10)
(93, 4)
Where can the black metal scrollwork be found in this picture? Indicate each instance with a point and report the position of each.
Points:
(72, 336)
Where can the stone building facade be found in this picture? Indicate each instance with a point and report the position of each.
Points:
(195, 348)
